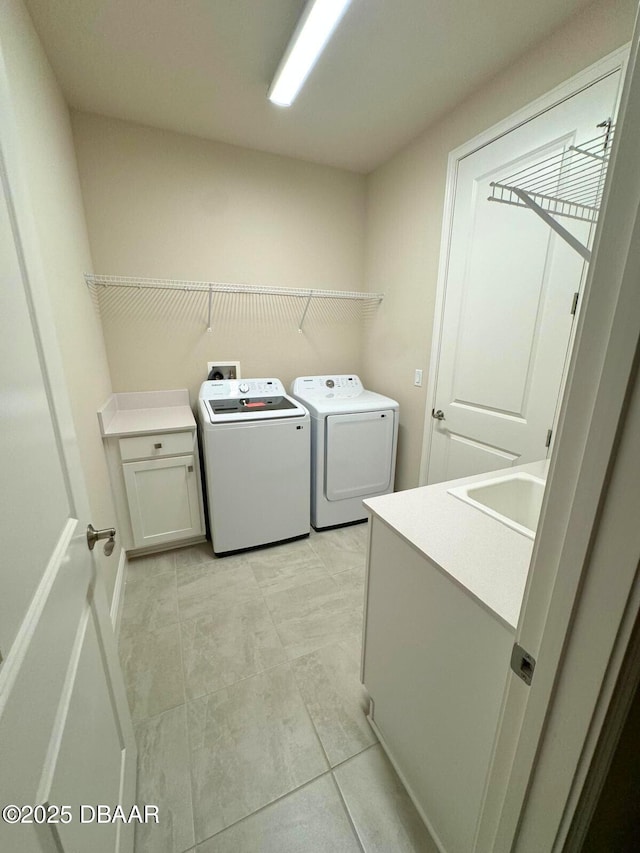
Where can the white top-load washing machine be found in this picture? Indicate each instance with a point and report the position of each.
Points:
(256, 445)
(354, 435)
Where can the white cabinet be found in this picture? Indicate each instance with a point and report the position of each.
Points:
(163, 500)
(152, 451)
(435, 664)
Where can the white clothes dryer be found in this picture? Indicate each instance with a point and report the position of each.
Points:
(354, 436)
(256, 448)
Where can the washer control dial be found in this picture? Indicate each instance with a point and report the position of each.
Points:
(243, 387)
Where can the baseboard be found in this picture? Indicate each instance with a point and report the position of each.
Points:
(165, 546)
(412, 797)
(118, 593)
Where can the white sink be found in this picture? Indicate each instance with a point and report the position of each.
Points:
(514, 499)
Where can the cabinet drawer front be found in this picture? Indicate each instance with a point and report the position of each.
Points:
(156, 446)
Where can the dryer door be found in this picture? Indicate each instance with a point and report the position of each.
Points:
(358, 454)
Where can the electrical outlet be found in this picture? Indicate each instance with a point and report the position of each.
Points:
(417, 378)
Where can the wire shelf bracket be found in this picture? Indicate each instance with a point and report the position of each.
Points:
(211, 287)
(569, 184)
(563, 232)
(304, 313)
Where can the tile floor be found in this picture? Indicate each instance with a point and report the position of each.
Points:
(243, 680)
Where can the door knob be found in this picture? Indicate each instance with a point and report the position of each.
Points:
(439, 415)
(108, 533)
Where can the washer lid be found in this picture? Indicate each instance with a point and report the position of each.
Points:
(236, 400)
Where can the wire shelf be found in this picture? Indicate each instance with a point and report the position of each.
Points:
(568, 184)
(223, 287)
(212, 287)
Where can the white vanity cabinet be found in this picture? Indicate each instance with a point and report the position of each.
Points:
(435, 666)
(444, 589)
(152, 452)
(162, 494)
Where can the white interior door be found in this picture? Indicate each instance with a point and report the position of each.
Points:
(582, 598)
(510, 285)
(65, 733)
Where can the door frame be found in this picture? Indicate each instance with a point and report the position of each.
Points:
(583, 591)
(600, 69)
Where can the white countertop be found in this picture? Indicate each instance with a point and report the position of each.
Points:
(480, 553)
(137, 412)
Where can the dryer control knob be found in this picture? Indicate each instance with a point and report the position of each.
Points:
(243, 388)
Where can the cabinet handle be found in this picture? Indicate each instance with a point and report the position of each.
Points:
(158, 445)
(190, 469)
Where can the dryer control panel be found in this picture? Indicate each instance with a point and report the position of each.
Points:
(341, 387)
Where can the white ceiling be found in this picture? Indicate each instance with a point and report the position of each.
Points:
(203, 66)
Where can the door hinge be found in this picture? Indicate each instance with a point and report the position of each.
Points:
(522, 663)
(548, 440)
(574, 303)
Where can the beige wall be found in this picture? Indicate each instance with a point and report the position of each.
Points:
(50, 167)
(160, 204)
(405, 203)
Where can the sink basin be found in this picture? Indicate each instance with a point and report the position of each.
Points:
(514, 499)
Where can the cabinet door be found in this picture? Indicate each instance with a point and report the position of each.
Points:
(163, 500)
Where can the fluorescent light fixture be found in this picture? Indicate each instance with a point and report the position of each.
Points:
(318, 21)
